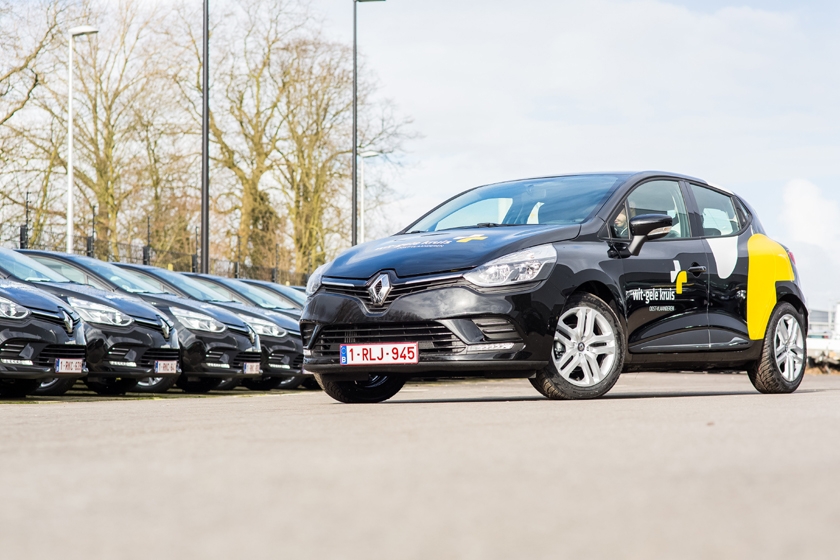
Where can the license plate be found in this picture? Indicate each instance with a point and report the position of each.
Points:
(251, 368)
(379, 354)
(63, 365)
(166, 366)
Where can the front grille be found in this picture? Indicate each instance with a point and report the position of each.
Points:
(433, 339)
(153, 355)
(496, 328)
(246, 358)
(360, 292)
(50, 352)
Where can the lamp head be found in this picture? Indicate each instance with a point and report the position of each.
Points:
(83, 30)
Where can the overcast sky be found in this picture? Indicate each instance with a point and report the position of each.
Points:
(743, 94)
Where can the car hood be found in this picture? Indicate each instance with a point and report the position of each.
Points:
(275, 317)
(165, 301)
(31, 297)
(452, 250)
(129, 305)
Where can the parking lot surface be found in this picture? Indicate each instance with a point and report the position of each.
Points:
(666, 466)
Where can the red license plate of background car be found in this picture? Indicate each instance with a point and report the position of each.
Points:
(166, 366)
(379, 354)
(251, 368)
(68, 366)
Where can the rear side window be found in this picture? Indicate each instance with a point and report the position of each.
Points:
(656, 197)
(717, 212)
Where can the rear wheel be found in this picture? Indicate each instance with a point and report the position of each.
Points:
(376, 388)
(782, 362)
(18, 388)
(54, 387)
(197, 385)
(263, 383)
(588, 351)
(111, 386)
(155, 384)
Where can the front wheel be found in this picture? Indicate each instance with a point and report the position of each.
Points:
(54, 387)
(588, 351)
(18, 388)
(263, 383)
(155, 384)
(782, 362)
(376, 388)
(199, 385)
(111, 386)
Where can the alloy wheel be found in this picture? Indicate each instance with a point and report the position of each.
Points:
(788, 347)
(584, 347)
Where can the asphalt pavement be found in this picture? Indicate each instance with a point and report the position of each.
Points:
(666, 466)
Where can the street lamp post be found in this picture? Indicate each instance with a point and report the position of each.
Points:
(362, 157)
(354, 219)
(75, 32)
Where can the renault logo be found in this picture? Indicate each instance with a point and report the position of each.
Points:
(380, 289)
(68, 322)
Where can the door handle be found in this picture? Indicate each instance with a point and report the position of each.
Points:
(697, 270)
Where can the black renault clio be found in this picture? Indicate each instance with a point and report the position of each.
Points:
(215, 344)
(125, 338)
(567, 281)
(40, 337)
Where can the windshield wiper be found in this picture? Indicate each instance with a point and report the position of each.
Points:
(34, 279)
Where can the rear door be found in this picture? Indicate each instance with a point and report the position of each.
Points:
(723, 223)
(665, 286)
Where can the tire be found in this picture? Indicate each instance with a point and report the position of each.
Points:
(200, 385)
(18, 388)
(155, 384)
(310, 383)
(228, 384)
(376, 388)
(111, 386)
(290, 383)
(588, 352)
(54, 387)
(785, 337)
(263, 383)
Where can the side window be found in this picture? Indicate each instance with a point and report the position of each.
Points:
(659, 197)
(717, 212)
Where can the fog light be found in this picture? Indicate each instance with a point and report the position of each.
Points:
(475, 348)
(17, 362)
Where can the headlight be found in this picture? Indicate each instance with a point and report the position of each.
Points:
(100, 314)
(12, 310)
(315, 280)
(522, 266)
(197, 321)
(264, 328)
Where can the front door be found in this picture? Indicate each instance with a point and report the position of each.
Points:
(666, 286)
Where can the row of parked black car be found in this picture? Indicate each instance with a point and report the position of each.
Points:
(124, 327)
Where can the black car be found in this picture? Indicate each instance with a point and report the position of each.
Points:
(282, 350)
(290, 294)
(40, 337)
(243, 292)
(567, 281)
(126, 339)
(215, 343)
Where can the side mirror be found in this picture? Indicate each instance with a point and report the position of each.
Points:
(648, 227)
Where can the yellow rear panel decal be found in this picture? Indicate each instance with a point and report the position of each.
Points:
(769, 263)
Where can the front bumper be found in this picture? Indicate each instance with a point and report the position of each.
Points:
(29, 348)
(218, 355)
(453, 326)
(282, 357)
(129, 352)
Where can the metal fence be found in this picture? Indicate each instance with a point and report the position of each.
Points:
(16, 237)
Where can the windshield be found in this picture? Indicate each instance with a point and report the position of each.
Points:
(27, 269)
(263, 298)
(551, 201)
(288, 292)
(193, 289)
(123, 279)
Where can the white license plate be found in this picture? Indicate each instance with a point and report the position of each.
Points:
(68, 366)
(251, 368)
(379, 354)
(168, 366)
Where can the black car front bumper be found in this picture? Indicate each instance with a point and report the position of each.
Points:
(30, 347)
(128, 352)
(460, 331)
(218, 355)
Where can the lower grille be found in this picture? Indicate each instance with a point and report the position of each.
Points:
(246, 358)
(433, 339)
(11, 350)
(297, 363)
(49, 354)
(496, 328)
(153, 355)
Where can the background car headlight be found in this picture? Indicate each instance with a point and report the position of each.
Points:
(12, 310)
(315, 280)
(522, 266)
(264, 328)
(197, 321)
(93, 312)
